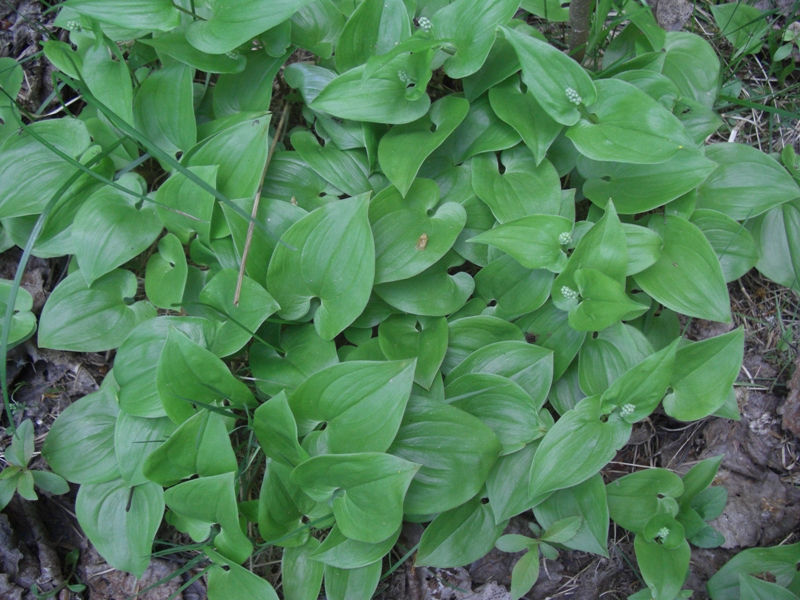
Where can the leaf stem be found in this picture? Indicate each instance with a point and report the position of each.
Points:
(256, 202)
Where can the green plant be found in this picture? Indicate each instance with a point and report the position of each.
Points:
(758, 573)
(17, 477)
(322, 334)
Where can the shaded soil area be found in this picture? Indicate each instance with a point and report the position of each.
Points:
(41, 545)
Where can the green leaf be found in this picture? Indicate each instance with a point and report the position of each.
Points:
(23, 321)
(345, 170)
(524, 574)
(84, 429)
(469, 334)
(237, 582)
(432, 293)
(776, 234)
(50, 482)
(523, 112)
(588, 502)
(90, 319)
(135, 438)
(603, 247)
(8, 487)
(108, 231)
(781, 561)
(175, 45)
(605, 357)
(412, 233)
(550, 329)
(500, 404)
(188, 374)
(562, 530)
(581, 442)
(238, 321)
(744, 26)
(366, 490)
(746, 183)
(121, 521)
(343, 553)
(507, 484)
(637, 188)
(641, 388)
(687, 276)
(550, 76)
(280, 518)
(136, 364)
(529, 366)
(163, 109)
(166, 273)
(302, 575)
(459, 536)
(23, 154)
(251, 89)
(635, 498)
(199, 446)
(693, 65)
(644, 247)
(627, 125)
(470, 26)
(663, 569)
(108, 80)
(161, 15)
(752, 588)
(432, 434)
(328, 254)
(209, 500)
(352, 584)
(603, 302)
(372, 29)
(551, 10)
(389, 95)
(698, 478)
(514, 289)
(406, 337)
(361, 404)
(695, 393)
(480, 131)
(20, 451)
(733, 244)
(183, 207)
(233, 22)
(507, 191)
(305, 353)
(240, 152)
(403, 149)
(276, 431)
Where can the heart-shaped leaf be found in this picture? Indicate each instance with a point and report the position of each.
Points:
(507, 192)
(121, 521)
(328, 254)
(687, 276)
(409, 235)
(403, 149)
(366, 490)
(627, 125)
(344, 396)
(558, 82)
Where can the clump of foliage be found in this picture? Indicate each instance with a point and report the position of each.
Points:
(444, 296)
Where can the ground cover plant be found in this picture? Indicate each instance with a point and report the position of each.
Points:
(372, 262)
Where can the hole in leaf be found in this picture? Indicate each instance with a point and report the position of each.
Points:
(500, 166)
(492, 303)
(433, 128)
(484, 501)
(603, 418)
(530, 338)
(660, 496)
(595, 335)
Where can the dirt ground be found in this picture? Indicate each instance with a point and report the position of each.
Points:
(42, 545)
